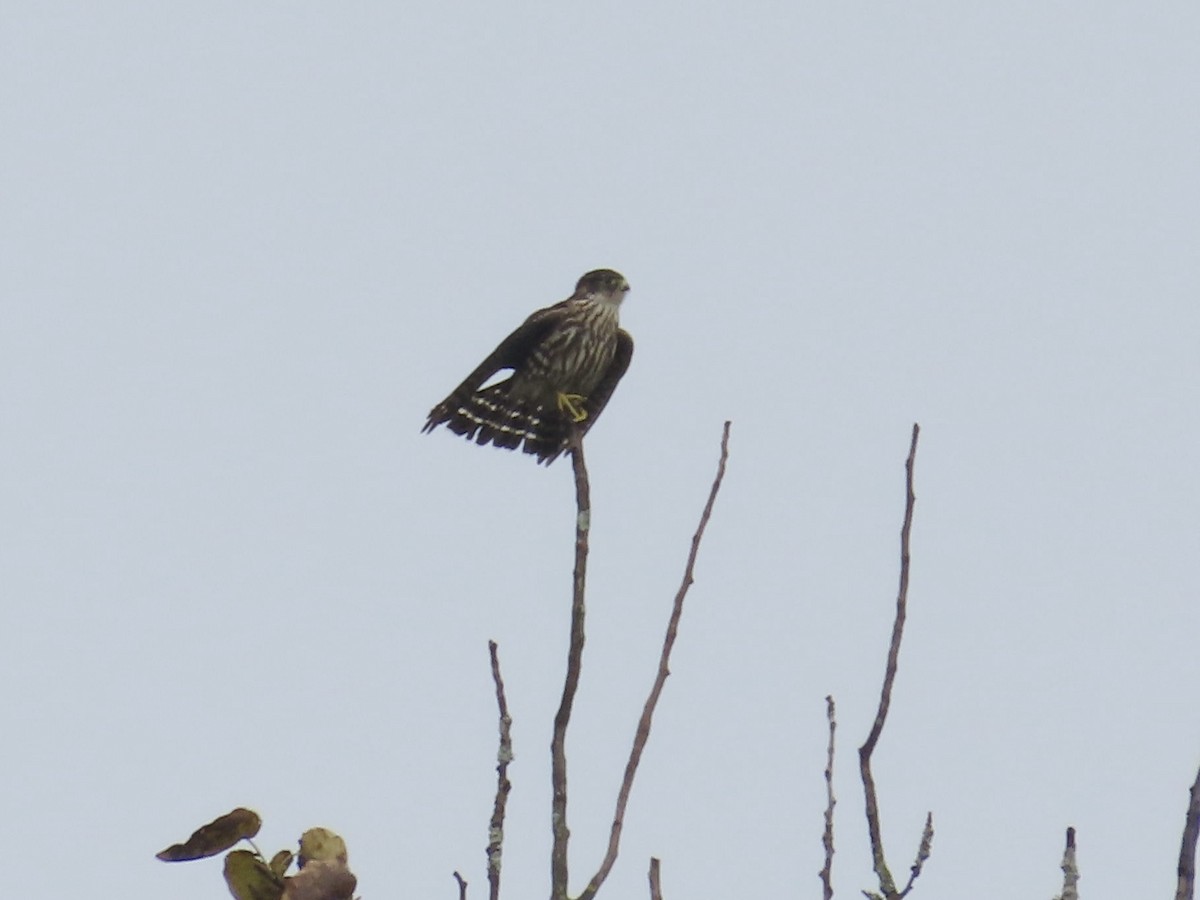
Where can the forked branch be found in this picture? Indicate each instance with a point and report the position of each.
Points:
(643, 727)
(886, 883)
(558, 756)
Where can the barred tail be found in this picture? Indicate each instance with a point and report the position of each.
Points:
(491, 416)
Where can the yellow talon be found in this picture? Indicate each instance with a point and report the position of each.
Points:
(571, 404)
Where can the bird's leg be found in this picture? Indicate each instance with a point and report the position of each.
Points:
(572, 405)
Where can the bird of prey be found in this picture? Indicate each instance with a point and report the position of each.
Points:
(565, 360)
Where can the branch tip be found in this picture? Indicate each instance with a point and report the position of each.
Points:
(504, 756)
(826, 873)
(1186, 887)
(655, 880)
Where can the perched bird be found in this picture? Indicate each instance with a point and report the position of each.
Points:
(565, 359)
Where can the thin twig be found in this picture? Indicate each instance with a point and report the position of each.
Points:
(655, 882)
(886, 883)
(1070, 870)
(503, 757)
(558, 743)
(923, 851)
(643, 727)
(462, 886)
(826, 873)
(1187, 848)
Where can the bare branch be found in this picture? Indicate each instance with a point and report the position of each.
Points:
(886, 883)
(503, 757)
(1070, 870)
(826, 873)
(1187, 848)
(643, 728)
(462, 886)
(558, 743)
(655, 883)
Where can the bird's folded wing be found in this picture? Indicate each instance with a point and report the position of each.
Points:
(600, 395)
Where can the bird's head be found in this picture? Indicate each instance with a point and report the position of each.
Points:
(603, 284)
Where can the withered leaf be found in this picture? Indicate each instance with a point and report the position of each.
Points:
(216, 837)
(319, 844)
(321, 880)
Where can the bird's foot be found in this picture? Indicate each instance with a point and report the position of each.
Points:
(572, 405)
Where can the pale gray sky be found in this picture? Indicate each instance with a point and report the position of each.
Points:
(247, 246)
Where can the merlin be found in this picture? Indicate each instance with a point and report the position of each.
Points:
(565, 361)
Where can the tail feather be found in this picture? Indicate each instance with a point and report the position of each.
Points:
(492, 416)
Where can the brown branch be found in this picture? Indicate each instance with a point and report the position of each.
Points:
(462, 886)
(826, 873)
(503, 757)
(655, 882)
(558, 743)
(1187, 848)
(886, 883)
(643, 727)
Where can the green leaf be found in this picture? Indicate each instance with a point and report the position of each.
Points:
(216, 837)
(281, 860)
(249, 878)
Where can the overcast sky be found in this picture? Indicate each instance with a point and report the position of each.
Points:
(246, 246)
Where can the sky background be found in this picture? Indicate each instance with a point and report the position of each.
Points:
(247, 246)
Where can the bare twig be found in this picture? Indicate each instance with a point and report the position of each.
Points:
(655, 882)
(1070, 870)
(886, 883)
(826, 873)
(462, 886)
(643, 727)
(923, 851)
(1187, 849)
(503, 757)
(558, 743)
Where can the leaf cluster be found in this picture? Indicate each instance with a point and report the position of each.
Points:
(321, 863)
